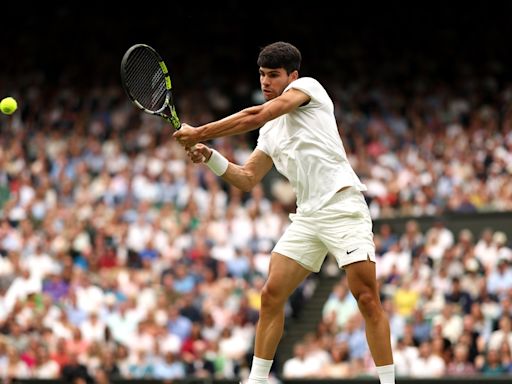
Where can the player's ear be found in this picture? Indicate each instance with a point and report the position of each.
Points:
(294, 75)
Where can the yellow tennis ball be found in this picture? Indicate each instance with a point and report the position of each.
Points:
(8, 105)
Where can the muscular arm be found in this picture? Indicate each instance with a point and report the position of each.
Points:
(246, 120)
(246, 176)
(253, 117)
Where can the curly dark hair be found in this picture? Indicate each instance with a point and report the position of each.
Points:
(280, 55)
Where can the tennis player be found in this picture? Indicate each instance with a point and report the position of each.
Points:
(299, 135)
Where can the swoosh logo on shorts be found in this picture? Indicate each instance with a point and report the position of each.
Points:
(349, 252)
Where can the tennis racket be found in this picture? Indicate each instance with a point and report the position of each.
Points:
(147, 82)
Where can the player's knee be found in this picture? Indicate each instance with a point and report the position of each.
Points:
(271, 297)
(369, 305)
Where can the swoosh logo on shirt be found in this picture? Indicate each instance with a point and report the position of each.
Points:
(349, 252)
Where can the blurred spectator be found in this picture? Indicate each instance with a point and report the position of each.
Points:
(491, 364)
(432, 301)
(450, 323)
(169, 368)
(397, 322)
(56, 286)
(23, 285)
(421, 326)
(438, 240)
(504, 252)
(406, 299)
(401, 357)
(386, 238)
(77, 344)
(340, 304)
(472, 280)
(139, 365)
(427, 364)
(93, 328)
(442, 347)
(394, 261)
(338, 366)
(178, 324)
(460, 298)
(73, 370)
(14, 367)
(499, 281)
(299, 366)
(485, 249)
(109, 366)
(460, 366)
(502, 335)
(353, 334)
(412, 239)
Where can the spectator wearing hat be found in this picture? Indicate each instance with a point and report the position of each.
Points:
(500, 279)
(500, 240)
(472, 278)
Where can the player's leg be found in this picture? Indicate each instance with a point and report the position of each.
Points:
(346, 229)
(297, 253)
(285, 275)
(362, 282)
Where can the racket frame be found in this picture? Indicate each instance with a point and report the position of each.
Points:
(172, 116)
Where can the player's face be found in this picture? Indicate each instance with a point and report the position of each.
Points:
(273, 81)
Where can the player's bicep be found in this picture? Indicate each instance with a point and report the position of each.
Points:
(287, 102)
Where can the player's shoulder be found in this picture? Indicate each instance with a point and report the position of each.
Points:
(313, 88)
(306, 80)
(308, 85)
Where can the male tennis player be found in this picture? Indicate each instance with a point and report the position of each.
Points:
(299, 135)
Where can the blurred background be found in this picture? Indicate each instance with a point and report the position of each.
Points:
(121, 260)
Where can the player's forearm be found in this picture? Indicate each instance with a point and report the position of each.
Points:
(240, 122)
(237, 176)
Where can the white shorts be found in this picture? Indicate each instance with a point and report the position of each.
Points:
(342, 228)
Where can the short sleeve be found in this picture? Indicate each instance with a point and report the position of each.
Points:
(307, 85)
(262, 144)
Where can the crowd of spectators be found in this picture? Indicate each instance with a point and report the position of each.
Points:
(120, 258)
(449, 300)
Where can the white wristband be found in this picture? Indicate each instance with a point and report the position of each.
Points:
(217, 163)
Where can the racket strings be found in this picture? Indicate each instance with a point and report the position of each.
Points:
(145, 79)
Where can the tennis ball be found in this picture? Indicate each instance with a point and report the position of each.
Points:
(8, 105)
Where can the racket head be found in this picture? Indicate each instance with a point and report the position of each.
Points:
(146, 81)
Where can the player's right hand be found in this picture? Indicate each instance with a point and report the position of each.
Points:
(199, 153)
(187, 135)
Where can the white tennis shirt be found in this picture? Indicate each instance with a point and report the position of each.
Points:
(306, 148)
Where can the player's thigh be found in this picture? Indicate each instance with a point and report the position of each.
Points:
(301, 243)
(285, 275)
(362, 278)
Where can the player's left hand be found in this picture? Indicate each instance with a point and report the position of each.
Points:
(187, 135)
(200, 153)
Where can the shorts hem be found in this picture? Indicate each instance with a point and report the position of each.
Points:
(297, 260)
(361, 255)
